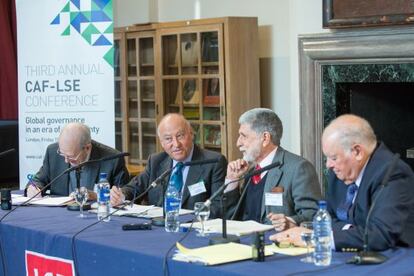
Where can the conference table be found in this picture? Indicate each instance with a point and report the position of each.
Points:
(105, 249)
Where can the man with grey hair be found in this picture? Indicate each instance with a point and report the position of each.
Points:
(285, 195)
(357, 166)
(74, 147)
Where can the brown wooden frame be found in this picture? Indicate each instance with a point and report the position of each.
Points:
(367, 13)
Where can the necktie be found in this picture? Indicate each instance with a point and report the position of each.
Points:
(342, 210)
(256, 178)
(177, 177)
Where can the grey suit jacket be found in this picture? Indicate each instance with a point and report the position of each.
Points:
(212, 175)
(301, 189)
(54, 164)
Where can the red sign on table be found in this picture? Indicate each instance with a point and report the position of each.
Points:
(42, 265)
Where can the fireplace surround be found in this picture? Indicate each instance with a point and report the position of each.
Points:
(368, 55)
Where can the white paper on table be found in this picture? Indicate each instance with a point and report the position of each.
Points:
(43, 201)
(234, 227)
(143, 211)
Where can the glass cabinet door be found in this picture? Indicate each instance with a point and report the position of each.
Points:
(191, 82)
(141, 105)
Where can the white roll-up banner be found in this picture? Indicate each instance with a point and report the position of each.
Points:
(65, 72)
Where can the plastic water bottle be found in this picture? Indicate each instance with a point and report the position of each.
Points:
(322, 228)
(103, 197)
(172, 209)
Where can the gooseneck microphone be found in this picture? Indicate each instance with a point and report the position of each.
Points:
(6, 152)
(365, 256)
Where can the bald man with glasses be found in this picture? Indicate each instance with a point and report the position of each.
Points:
(74, 147)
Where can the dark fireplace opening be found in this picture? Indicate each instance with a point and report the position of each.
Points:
(389, 107)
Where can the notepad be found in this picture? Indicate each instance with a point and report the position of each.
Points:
(143, 211)
(216, 254)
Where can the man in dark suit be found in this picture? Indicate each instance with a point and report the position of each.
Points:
(74, 147)
(200, 181)
(357, 164)
(284, 196)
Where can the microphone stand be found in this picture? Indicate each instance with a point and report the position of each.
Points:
(224, 238)
(371, 257)
(228, 238)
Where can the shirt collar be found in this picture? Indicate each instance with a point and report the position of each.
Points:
(361, 174)
(268, 159)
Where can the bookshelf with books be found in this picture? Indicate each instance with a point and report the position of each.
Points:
(207, 70)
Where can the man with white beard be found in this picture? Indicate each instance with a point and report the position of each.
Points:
(284, 196)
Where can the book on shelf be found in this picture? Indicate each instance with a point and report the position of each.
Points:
(189, 53)
(190, 94)
(211, 92)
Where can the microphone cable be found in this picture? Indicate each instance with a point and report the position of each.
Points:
(118, 207)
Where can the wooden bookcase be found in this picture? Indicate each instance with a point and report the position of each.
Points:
(206, 69)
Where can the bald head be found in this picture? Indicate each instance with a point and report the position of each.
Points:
(176, 136)
(75, 143)
(348, 142)
(76, 133)
(350, 129)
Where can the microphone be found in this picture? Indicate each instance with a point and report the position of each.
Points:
(6, 152)
(365, 256)
(208, 202)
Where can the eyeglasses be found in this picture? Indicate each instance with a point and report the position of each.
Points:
(70, 158)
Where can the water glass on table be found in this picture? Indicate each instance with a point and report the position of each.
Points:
(307, 237)
(81, 196)
(202, 212)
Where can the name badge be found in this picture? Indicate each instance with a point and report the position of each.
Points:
(274, 199)
(197, 188)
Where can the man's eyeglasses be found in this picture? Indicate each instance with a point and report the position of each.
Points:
(179, 137)
(70, 158)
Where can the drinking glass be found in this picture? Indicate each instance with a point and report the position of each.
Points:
(81, 196)
(307, 237)
(202, 212)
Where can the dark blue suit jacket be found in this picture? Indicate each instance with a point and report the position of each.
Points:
(392, 219)
(212, 174)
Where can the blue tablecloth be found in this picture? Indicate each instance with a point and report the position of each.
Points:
(105, 249)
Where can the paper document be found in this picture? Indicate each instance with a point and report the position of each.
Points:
(234, 227)
(216, 254)
(291, 250)
(143, 211)
(44, 201)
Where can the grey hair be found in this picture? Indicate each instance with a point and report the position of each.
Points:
(351, 129)
(264, 120)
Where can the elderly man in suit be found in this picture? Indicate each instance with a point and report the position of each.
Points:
(284, 196)
(200, 181)
(74, 147)
(357, 164)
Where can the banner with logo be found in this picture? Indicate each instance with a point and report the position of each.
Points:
(65, 71)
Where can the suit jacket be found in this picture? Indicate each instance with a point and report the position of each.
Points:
(301, 189)
(212, 174)
(392, 219)
(54, 164)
